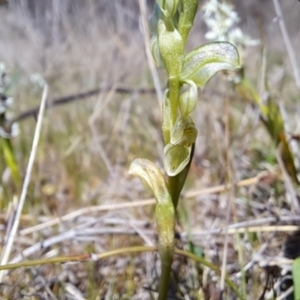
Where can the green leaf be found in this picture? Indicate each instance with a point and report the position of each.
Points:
(10, 160)
(176, 158)
(196, 250)
(296, 278)
(202, 63)
(187, 16)
(272, 119)
(288, 158)
(149, 173)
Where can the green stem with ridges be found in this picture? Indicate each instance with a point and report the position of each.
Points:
(174, 90)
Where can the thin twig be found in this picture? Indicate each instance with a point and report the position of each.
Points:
(229, 201)
(249, 226)
(150, 60)
(288, 182)
(98, 109)
(74, 291)
(32, 112)
(79, 96)
(187, 195)
(253, 261)
(44, 244)
(287, 42)
(89, 234)
(140, 203)
(286, 293)
(12, 234)
(225, 187)
(86, 210)
(262, 86)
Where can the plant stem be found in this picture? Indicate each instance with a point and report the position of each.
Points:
(174, 88)
(164, 280)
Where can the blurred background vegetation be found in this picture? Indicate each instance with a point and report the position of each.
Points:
(87, 145)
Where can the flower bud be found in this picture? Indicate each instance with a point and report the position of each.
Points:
(171, 48)
(188, 99)
(168, 7)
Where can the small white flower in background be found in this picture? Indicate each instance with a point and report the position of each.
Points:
(4, 78)
(221, 20)
(38, 80)
(237, 37)
(5, 103)
(14, 131)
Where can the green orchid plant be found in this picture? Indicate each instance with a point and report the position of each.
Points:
(171, 23)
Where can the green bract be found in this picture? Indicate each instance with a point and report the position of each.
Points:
(176, 158)
(168, 7)
(184, 132)
(202, 63)
(155, 52)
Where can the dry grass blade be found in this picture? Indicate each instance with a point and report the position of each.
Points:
(287, 42)
(288, 182)
(140, 203)
(230, 200)
(13, 232)
(75, 97)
